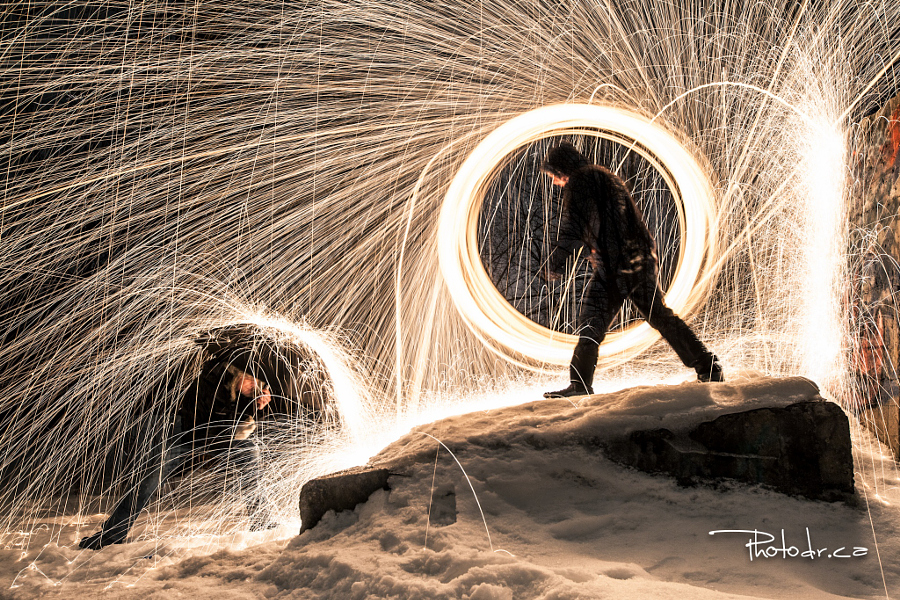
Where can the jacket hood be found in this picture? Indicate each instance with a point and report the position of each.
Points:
(563, 160)
(283, 366)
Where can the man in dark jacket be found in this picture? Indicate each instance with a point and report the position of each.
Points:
(217, 417)
(601, 222)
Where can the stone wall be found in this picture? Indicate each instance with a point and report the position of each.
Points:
(873, 296)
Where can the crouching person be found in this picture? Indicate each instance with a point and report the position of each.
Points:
(217, 417)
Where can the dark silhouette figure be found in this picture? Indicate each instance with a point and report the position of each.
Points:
(601, 222)
(217, 417)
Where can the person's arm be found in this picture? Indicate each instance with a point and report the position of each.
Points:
(569, 238)
(561, 253)
(264, 397)
(258, 392)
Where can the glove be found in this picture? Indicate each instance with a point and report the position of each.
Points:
(245, 428)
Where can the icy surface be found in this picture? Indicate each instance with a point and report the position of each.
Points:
(563, 523)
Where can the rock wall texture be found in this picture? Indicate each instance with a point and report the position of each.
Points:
(873, 303)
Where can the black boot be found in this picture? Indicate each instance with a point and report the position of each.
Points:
(573, 389)
(709, 369)
(104, 538)
(581, 371)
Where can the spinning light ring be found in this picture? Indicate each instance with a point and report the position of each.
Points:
(487, 313)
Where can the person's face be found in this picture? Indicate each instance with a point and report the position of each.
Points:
(557, 180)
(252, 387)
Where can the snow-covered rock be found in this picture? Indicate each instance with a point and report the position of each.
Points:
(777, 432)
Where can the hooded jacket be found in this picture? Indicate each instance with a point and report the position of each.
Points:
(600, 218)
(213, 404)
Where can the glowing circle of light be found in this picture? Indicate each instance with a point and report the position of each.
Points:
(487, 313)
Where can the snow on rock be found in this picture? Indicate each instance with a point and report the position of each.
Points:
(532, 517)
(778, 432)
(551, 423)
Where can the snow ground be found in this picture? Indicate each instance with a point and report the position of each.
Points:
(563, 523)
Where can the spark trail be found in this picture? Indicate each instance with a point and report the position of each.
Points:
(174, 167)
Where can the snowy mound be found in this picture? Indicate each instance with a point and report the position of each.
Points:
(534, 516)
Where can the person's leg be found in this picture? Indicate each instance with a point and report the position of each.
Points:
(648, 299)
(245, 455)
(598, 308)
(583, 364)
(243, 466)
(162, 460)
